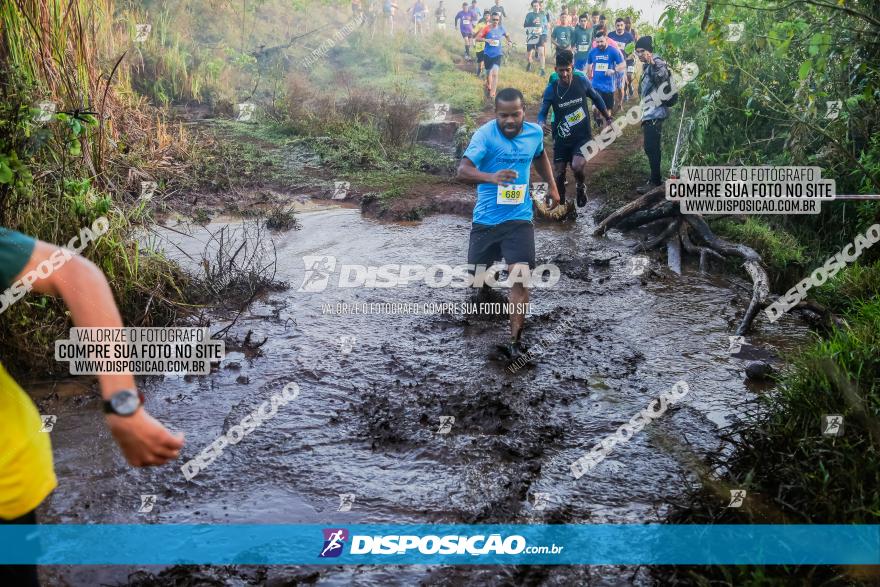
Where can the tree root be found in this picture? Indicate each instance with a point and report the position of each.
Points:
(719, 244)
(752, 265)
(760, 293)
(654, 242)
(819, 316)
(675, 235)
(690, 247)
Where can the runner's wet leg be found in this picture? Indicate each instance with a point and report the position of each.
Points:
(579, 167)
(519, 297)
(559, 169)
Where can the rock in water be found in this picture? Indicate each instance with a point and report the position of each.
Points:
(759, 370)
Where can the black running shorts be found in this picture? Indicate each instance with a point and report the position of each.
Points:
(491, 62)
(608, 98)
(513, 241)
(565, 151)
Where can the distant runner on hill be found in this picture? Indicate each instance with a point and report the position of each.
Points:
(493, 35)
(465, 20)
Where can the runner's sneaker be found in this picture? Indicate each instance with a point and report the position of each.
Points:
(511, 352)
(542, 73)
(528, 67)
(581, 195)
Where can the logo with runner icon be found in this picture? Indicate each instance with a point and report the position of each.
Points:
(639, 265)
(47, 422)
(340, 189)
(446, 423)
(318, 270)
(334, 541)
(737, 497)
(832, 425)
(346, 501)
(148, 502)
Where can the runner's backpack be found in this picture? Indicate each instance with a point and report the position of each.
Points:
(673, 99)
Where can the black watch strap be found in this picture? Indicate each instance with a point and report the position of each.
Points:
(107, 405)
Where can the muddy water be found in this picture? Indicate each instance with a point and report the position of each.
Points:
(367, 420)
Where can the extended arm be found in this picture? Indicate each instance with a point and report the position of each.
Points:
(85, 291)
(546, 102)
(468, 173)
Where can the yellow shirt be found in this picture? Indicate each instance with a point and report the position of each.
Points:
(479, 44)
(26, 474)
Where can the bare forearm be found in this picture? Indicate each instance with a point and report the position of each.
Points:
(87, 295)
(545, 170)
(470, 174)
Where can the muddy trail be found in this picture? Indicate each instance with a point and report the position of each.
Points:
(376, 387)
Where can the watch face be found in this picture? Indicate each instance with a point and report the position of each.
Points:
(125, 403)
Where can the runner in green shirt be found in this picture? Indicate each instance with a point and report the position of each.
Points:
(562, 34)
(582, 42)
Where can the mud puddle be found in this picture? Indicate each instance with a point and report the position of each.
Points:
(374, 388)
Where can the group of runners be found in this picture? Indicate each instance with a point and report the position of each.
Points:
(580, 34)
(592, 65)
(606, 57)
(418, 15)
(502, 151)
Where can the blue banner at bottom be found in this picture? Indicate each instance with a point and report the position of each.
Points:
(356, 544)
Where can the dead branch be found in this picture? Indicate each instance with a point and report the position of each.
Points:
(673, 251)
(653, 243)
(645, 201)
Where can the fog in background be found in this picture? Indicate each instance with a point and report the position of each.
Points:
(517, 9)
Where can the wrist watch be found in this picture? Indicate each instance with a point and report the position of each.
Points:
(124, 403)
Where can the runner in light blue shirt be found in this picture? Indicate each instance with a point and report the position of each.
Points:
(499, 159)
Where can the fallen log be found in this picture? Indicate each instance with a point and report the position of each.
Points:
(664, 210)
(641, 203)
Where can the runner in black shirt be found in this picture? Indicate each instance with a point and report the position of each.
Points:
(571, 124)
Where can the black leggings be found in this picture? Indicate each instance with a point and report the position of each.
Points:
(651, 130)
(24, 575)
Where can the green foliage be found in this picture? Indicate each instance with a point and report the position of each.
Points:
(775, 245)
(840, 375)
(849, 287)
(762, 99)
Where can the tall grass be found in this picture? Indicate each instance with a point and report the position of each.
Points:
(77, 167)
